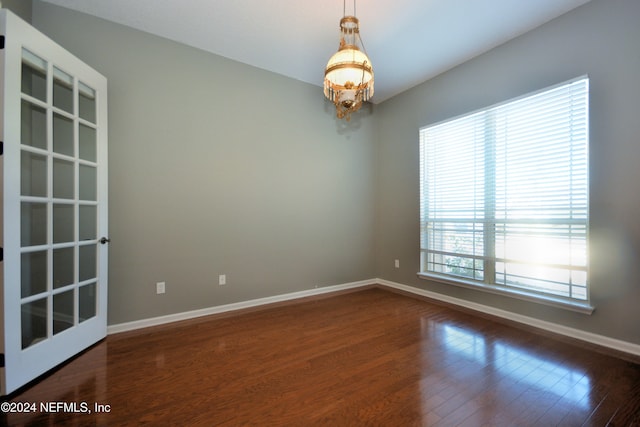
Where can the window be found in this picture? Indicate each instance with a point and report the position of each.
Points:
(504, 196)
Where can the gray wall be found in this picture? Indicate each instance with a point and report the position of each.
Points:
(22, 8)
(220, 168)
(601, 39)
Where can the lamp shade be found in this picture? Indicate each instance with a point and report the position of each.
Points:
(348, 76)
(348, 69)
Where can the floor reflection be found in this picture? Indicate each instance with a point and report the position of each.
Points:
(570, 384)
(80, 384)
(463, 342)
(512, 375)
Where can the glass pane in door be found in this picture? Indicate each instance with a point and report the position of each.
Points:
(87, 102)
(62, 90)
(87, 260)
(63, 267)
(87, 141)
(63, 172)
(33, 174)
(87, 302)
(34, 75)
(62, 135)
(63, 231)
(33, 224)
(63, 311)
(88, 183)
(34, 322)
(33, 123)
(88, 223)
(33, 277)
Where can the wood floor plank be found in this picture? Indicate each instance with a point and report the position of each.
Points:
(370, 357)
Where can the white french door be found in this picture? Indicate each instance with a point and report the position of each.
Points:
(53, 173)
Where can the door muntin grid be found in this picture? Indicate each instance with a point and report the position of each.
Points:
(58, 200)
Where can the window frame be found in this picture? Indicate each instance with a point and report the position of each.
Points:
(493, 285)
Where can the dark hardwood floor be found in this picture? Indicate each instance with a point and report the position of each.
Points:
(370, 357)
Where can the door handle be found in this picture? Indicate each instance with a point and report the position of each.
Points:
(104, 240)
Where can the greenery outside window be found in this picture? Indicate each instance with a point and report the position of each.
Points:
(505, 196)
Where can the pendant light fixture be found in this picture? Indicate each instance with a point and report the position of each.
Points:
(348, 77)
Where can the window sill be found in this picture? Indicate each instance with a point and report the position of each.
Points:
(580, 307)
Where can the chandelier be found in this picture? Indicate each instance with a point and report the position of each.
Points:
(348, 77)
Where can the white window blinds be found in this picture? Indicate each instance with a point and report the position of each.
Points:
(504, 194)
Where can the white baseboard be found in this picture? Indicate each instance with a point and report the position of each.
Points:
(589, 337)
(578, 334)
(161, 320)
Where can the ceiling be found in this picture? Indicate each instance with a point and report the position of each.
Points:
(408, 41)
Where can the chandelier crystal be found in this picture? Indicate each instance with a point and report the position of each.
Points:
(348, 77)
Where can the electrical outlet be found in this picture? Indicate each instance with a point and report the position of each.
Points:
(397, 263)
(160, 287)
(222, 279)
